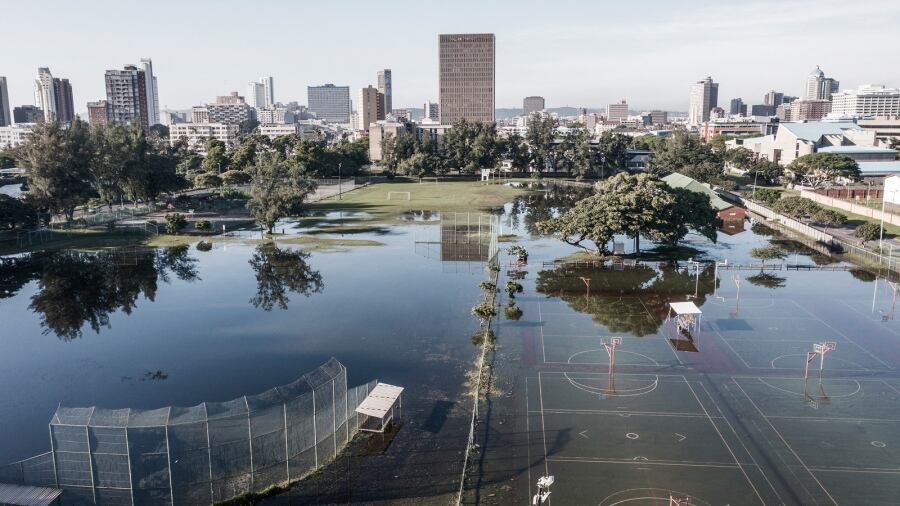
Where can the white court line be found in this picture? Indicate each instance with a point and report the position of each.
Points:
(870, 318)
(626, 414)
(680, 463)
(736, 461)
(851, 470)
(788, 446)
(543, 426)
(595, 336)
(588, 374)
(741, 440)
(541, 327)
(738, 355)
(889, 386)
(528, 437)
(867, 352)
(833, 419)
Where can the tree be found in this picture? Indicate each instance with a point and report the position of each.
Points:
(868, 231)
(395, 149)
(612, 153)
(767, 172)
(7, 160)
(216, 159)
(15, 213)
(767, 280)
(796, 207)
(207, 180)
(412, 166)
(767, 253)
(276, 189)
(818, 168)
(582, 157)
(175, 222)
(541, 136)
(58, 163)
(767, 195)
(279, 271)
(829, 218)
(235, 177)
(516, 151)
(740, 158)
(689, 211)
(686, 154)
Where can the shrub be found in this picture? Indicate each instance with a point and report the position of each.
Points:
(796, 207)
(235, 177)
(174, 223)
(513, 312)
(204, 246)
(207, 180)
(202, 225)
(232, 194)
(488, 286)
(867, 231)
(512, 288)
(484, 311)
(767, 195)
(829, 218)
(519, 252)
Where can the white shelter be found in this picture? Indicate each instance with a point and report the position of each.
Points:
(687, 316)
(378, 407)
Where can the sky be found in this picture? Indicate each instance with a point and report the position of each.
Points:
(580, 54)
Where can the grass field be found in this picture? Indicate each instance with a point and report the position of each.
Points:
(457, 196)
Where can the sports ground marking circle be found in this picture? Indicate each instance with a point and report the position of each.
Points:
(800, 394)
(651, 359)
(633, 392)
(802, 355)
(744, 304)
(878, 444)
(645, 495)
(632, 435)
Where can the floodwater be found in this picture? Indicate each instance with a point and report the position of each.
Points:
(181, 326)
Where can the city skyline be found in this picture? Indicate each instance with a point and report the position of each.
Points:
(567, 63)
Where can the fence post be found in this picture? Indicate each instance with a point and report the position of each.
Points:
(168, 460)
(250, 440)
(212, 498)
(315, 432)
(287, 452)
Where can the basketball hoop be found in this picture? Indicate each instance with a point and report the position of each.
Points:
(819, 350)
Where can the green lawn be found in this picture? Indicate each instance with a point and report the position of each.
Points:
(457, 196)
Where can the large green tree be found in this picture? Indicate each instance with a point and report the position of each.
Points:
(612, 153)
(818, 168)
(277, 189)
(541, 136)
(686, 154)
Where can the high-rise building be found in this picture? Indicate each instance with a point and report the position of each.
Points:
(329, 102)
(867, 100)
(467, 77)
(431, 111)
(268, 85)
(737, 107)
(97, 114)
(533, 104)
(386, 89)
(773, 98)
(256, 94)
(808, 110)
(45, 93)
(228, 109)
(658, 117)
(819, 87)
(5, 118)
(152, 92)
(763, 110)
(617, 111)
(27, 114)
(704, 96)
(370, 107)
(126, 97)
(65, 106)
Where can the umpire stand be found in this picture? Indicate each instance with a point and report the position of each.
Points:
(378, 407)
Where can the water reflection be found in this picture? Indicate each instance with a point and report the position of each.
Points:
(76, 287)
(631, 300)
(550, 200)
(767, 280)
(279, 271)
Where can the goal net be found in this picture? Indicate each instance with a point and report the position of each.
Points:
(396, 195)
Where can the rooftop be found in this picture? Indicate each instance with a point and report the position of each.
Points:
(856, 149)
(676, 180)
(877, 168)
(814, 130)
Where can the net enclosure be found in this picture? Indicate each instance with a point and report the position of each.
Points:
(201, 454)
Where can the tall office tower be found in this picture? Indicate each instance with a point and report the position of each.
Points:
(97, 114)
(45, 93)
(5, 118)
(738, 107)
(704, 96)
(617, 112)
(819, 87)
(126, 97)
(370, 107)
(152, 92)
(65, 107)
(268, 85)
(774, 98)
(329, 102)
(467, 77)
(532, 104)
(384, 87)
(27, 114)
(256, 94)
(431, 111)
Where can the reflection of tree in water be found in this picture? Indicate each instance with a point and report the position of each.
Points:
(632, 300)
(75, 288)
(793, 247)
(535, 207)
(863, 275)
(279, 271)
(767, 280)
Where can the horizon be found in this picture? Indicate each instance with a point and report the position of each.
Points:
(567, 66)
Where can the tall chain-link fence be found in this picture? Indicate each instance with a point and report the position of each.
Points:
(197, 455)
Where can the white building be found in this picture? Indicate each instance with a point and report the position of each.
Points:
(268, 85)
(197, 134)
(276, 114)
(152, 92)
(617, 111)
(704, 96)
(432, 111)
(278, 130)
(819, 87)
(867, 100)
(13, 135)
(256, 94)
(45, 93)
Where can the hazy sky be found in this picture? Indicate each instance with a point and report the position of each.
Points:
(583, 54)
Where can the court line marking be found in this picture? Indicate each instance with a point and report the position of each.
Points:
(889, 385)
(738, 355)
(663, 336)
(742, 359)
(800, 394)
(679, 463)
(788, 446)
(841, 333)
(601, 336)
(801, 355)
(528, 436)
(741, 440)
(851, 470)
(541, 327)
(621, 413)
(747, 477)
(832, 419)
(543, 426)
(869, 317)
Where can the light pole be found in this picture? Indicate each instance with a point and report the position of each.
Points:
(340, 187)
(755, 175)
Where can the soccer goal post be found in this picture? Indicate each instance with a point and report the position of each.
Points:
(391, 194)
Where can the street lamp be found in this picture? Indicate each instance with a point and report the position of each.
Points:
(339, 181)
(755, 175)
(881, 231)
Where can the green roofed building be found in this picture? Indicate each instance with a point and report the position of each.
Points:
(725, 210)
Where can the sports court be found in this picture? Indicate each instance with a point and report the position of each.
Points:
(721, 417)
